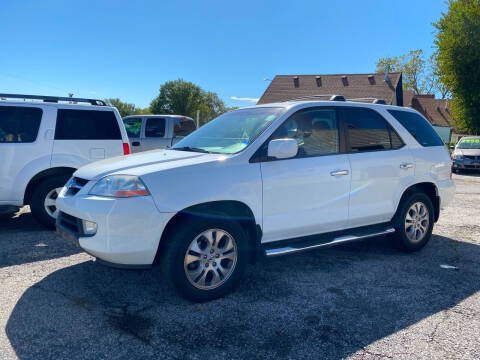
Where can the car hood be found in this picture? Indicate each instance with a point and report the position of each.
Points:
(468, 152)
(143, 163)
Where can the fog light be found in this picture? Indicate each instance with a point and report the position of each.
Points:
(89, 227)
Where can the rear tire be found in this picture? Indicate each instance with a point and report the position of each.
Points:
(205, 258)
(413, 222)
(42, 203)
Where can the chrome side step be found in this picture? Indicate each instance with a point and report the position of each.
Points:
(335, 241)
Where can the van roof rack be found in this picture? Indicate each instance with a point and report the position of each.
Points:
(369, 100)
(53, 99)
(310, 97)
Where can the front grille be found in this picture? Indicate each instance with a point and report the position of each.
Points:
(70, 222)
(471, 157)
(75, 185)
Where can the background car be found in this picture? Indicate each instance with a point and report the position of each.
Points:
(42, 142)
(466, 155)
(148, 132)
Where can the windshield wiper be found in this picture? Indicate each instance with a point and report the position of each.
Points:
(194, 149)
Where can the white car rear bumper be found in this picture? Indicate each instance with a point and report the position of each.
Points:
(446, 191)
(121, 239)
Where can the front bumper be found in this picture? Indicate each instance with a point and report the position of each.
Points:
(128, 233)
(466, 164)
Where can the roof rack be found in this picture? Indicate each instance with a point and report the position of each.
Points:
(330, 97)
(53, 99)
(369, 100)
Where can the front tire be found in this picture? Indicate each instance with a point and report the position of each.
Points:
(205, 258)
(413, 222)
(43, 201)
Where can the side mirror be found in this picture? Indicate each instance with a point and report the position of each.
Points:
(283, 148)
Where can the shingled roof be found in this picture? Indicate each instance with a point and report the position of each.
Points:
(288, 87)
(437, 111)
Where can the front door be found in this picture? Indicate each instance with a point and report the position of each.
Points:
(307, 194)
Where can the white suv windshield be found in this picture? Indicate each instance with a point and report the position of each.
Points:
(231, 132)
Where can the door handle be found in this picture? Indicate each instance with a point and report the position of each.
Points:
(339, 172)
(406, 165)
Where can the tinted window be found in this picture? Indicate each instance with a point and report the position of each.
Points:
(367, 130)
(183, 127)
(315, 130)
(133, 127)
(155, 127)
(19, 124)
(418, 127)
(86, 125)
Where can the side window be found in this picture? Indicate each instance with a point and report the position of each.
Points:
(315, 130)
(19, 124)
(86, 125)
(397, 142)
(133, 127)
(183, 127)
(155, 127)
(418, 127)
(367, 131)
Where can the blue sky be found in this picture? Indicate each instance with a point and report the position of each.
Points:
(127, 49)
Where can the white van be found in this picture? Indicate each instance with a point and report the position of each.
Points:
(149, 132)
(44, 139)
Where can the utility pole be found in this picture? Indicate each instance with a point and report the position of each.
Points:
(198, 119)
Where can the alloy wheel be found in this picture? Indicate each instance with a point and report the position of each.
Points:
(417, 221)
(51, 202)
(210, 259)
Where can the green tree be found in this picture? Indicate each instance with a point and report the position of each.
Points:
(415, 69)
(185, 98)
(123, 108)
(458, 59)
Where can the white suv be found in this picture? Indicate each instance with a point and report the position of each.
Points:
(45, 139)
(270, 179)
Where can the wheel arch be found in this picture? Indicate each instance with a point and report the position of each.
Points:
(231, 210)
(38, 178)
(430, 189)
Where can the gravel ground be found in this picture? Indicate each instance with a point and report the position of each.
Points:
(363, 300)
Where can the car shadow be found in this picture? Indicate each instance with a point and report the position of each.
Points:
(24, 240)
(323, 304)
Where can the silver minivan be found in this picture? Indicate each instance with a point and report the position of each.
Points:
(148, 132)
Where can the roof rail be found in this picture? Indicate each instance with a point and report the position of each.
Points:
(369, 100)
(53, 99)
(330, 97)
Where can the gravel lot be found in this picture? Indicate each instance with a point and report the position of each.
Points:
(363, 300)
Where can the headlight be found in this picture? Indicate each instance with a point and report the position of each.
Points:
(121, 186)
(457, 156)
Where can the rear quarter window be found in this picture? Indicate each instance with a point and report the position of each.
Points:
(418, 127)
(19, 124)
(86, 125)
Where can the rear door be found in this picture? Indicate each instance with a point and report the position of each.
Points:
(133, 125)
(156, 134)
(25, 147)
(83, 136)
(380, 163)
